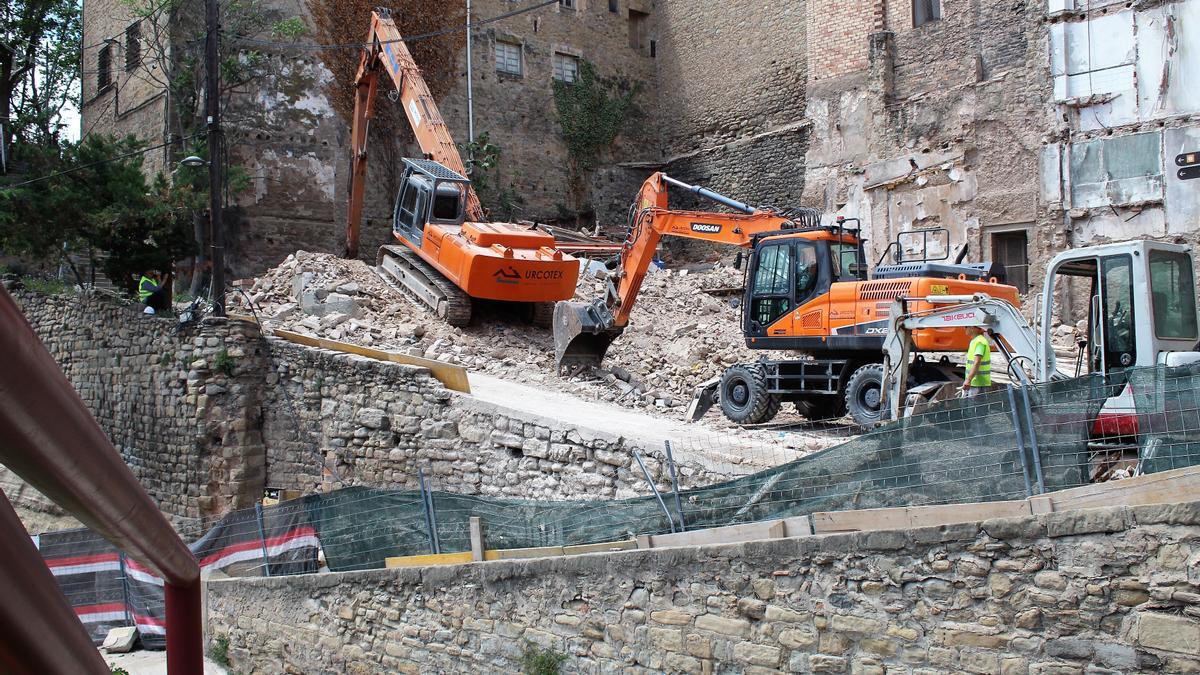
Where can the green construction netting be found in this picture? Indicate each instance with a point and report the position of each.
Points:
(958, 451)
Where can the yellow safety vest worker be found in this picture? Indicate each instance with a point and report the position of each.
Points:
(146, 288)
(980, 347)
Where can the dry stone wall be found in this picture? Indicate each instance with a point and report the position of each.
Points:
(336, 420)
(1097, 591)
(209, 416)
(178, 405)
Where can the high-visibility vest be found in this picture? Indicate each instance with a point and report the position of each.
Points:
(146, 288)
(980, 347)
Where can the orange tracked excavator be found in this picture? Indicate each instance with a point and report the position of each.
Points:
(447, 254)
(807, 290)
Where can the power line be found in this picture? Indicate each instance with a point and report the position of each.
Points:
(98, 163)
(408, 39)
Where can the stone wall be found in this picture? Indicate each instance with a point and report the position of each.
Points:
(209, 416)
(332, 420)
(177, 404)
(732, 93)
(1097, 591)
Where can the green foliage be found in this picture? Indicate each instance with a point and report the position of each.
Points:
(592, 111)
(45, 286)
(535, 661)
(483, 165)
(117, 670)
(45, 36)
(97, 200)
(218, 651)
(223, 363)
(290, 29)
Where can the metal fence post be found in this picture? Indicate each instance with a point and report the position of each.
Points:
(262, 538)
(1016, 418)
(670, 519)
(430, 521)
(1033, 442)
(675, 485)
(125, 590)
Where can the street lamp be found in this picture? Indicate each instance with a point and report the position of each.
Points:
(192, 161)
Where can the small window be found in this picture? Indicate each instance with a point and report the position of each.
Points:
(654, 49)
(771, 285)
(926, 11)
(638, 22)
(614, 6)
(566, 68)
(1172, 290)
(508, 58)
(566, 4)
(104, 67)
(1011, 251)
(806, 271)
(133, 46)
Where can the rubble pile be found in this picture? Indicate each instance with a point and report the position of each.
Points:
(684, 330)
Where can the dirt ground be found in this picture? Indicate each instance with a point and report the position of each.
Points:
(685, 329)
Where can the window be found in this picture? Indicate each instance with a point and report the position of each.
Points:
(1173, 292)
(508, 58)
(1011, 251)
(614, 6)
(654, 49)
(133, 46)
(806, 271)
(637, 28)
(104, 68)
(566, 4)
(771, 281)
(1120, 348)
(926, 11)
(566, 68)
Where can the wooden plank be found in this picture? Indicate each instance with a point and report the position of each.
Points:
(476, 538)
(903, 518)
(522, 553)
(604, 547)
(428, 560)
(1040, 504)
(1166, 487)
(730, 534)
(454, 377)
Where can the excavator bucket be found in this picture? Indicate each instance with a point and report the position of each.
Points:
(582, 333)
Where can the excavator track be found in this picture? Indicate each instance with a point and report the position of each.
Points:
(408, 273)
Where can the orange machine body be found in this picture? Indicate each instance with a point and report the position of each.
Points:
(494, 261)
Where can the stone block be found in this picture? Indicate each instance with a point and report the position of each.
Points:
(985, 663)
(723, 625)
(800, 638)
(756, 654)
(1187, 513)
(858, 625)
(823, 663)
(120, 640)
(1168, 633)
(671, 617)
(1087, 521)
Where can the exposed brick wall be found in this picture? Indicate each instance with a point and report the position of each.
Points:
(836, 36)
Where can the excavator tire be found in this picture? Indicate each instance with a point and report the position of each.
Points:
(864, 392)
(744, 396)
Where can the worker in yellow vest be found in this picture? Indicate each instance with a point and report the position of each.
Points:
(979, 363)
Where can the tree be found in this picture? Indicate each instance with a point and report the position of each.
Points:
(347, 22)
(95, 198)
(39, 67)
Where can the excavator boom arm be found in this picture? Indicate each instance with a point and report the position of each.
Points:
(386, 52)
(583, 332)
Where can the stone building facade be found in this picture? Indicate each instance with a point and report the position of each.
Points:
(1011, 125)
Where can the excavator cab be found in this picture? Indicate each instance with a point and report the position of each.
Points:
(429, 193)
(789, 271)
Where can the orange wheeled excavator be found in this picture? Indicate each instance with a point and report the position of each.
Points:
(447, 253)
(807, 290)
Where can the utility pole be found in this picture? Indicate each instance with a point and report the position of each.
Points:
(470, 84)
(215, 153)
